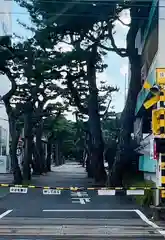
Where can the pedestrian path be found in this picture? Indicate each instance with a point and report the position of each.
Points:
(70, 176)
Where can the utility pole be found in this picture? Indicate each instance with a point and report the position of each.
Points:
(158, 128)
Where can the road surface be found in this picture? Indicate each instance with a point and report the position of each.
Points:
(69, 214)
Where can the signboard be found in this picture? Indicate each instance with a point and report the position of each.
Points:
(160, 76)
(18, 190)
(51, 192)
(145, 145)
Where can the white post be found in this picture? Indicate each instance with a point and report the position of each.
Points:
(158, 180)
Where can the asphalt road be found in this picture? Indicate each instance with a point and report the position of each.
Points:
(71, 214)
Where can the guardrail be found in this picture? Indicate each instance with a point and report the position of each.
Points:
(79, 188)
(111, 191)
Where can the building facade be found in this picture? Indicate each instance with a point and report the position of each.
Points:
(5, 29)
(150, 44)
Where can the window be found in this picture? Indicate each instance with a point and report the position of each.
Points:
(3, 141)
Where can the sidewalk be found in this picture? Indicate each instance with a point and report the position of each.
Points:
(66, 175)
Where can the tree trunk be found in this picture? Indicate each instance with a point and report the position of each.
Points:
(28, 144)
(36, 162)
(49, 152)
(97, 161)
(14, 135)
(57, 153)
(128, 115)
(89, 155)
(40, 159)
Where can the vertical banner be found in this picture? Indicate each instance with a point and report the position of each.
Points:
(153, 149)
(156, 155)
(160, 76)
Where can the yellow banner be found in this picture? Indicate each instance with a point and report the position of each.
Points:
(147, 85)
(160, 76)
(151, 102)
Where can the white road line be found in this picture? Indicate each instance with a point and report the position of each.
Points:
(152, 224)
(88, 210)
(5, 213)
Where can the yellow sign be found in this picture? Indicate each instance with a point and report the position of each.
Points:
(160, 76)
(147, 85)
(157, 123)
(162, 165)
(163, 194)
(163, 179)
(151, 102)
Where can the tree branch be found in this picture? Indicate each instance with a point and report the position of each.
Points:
(6, 98)
(106, 111)
(75, 94)
(121, 52)
(125, 24)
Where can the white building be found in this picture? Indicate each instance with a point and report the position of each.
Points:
(5, 29)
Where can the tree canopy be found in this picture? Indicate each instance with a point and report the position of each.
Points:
(58, 69)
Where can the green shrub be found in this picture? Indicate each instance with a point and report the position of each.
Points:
(144, 200)
(148, 198)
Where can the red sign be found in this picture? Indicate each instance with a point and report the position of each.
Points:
(156, 155)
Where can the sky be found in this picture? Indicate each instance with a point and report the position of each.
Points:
(117, 72)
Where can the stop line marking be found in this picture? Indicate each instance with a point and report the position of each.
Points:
(88, 210)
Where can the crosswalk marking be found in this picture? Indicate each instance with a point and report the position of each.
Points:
(80, 197)
(81, 200)
(79, 194)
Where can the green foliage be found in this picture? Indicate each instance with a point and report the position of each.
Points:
(69, 15)
(110, 130)
(57, 22)
(62, 130)
(148, 199)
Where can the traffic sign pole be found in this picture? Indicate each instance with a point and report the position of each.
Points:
(158, 128)
(160, 80)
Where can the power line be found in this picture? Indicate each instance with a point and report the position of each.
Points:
(90, 3)
(98, 2)
(78, 15)
(94, 1)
